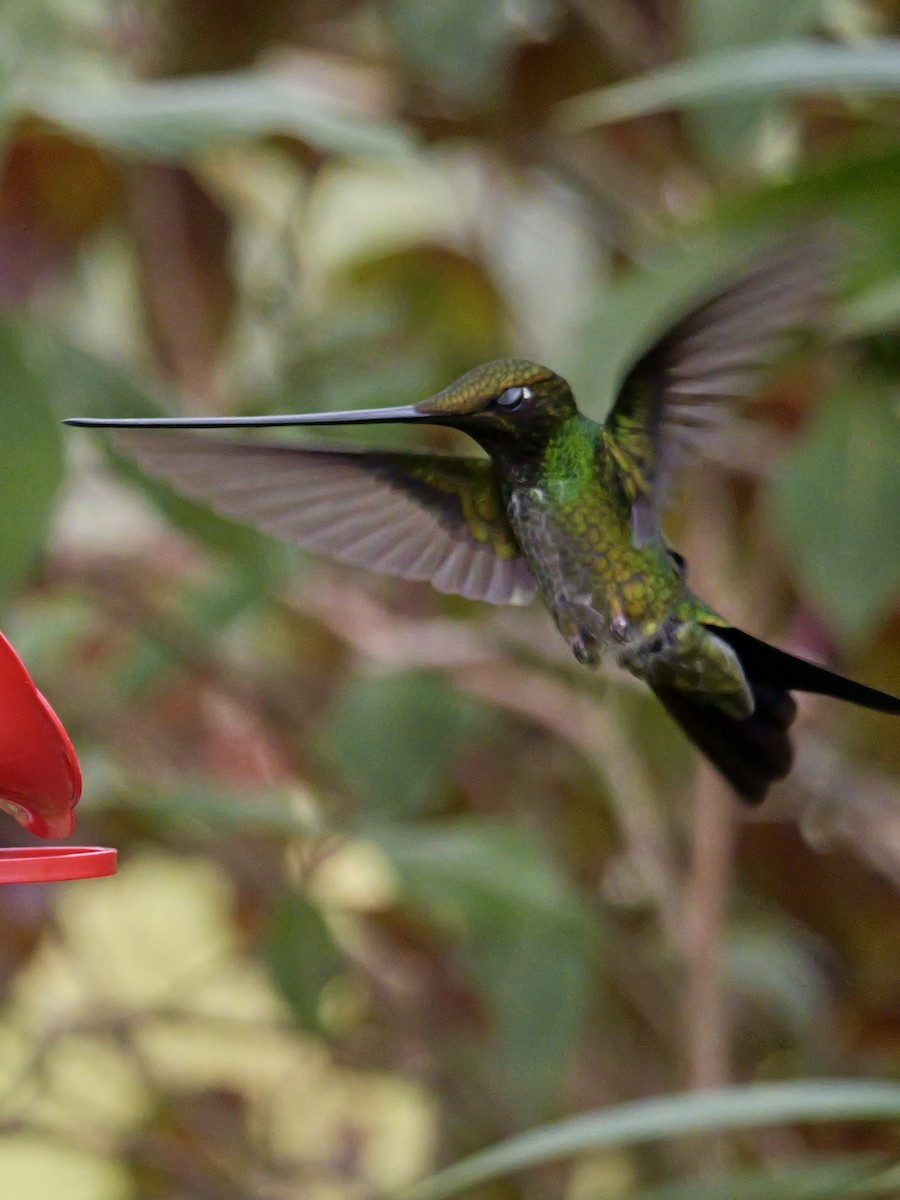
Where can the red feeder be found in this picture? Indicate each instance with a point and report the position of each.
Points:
(40, 782)
(43, 864)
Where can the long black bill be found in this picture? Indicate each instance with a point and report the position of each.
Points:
(362, 416)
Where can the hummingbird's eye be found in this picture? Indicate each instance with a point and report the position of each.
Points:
(513, 398)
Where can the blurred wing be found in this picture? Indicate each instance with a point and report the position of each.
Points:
(419, 516)
(676, 394)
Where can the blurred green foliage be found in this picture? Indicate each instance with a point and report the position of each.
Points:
(30, 479)
(397, 736)
(830, 498)
(400, 880)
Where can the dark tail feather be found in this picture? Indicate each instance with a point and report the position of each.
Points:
(752, 752)
(775, 668)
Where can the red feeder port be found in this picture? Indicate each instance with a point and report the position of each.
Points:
(40, 780)
(45, 864)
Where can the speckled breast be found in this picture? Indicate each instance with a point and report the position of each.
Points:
(598, 586)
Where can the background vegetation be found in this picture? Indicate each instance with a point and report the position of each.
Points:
(398, 879)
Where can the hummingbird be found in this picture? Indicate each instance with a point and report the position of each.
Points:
(558, 506)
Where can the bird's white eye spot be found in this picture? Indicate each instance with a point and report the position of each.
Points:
(513, 398)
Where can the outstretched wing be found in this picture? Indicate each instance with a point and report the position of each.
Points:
(675, 395)
(419, 516)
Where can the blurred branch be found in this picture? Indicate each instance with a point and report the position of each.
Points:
(578, 719)
(705, 1016)
(595, 731)
(391, 638)
(126, 599)
(707, 1040)
(835, 800)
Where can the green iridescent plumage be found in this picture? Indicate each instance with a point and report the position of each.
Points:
(561, 506)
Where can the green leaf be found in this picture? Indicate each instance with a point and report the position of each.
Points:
(463, 45)
(201, 806)
(749, 1106)
(789, 68)
(302, 957)
(824, 1179)
(175, 118)
(31, 450)
(83, 384)
(627, 316)
(528, 941)
(876, 309)
(860, 186)
(837, 501)
(397, 736)
(885, 1184)
(711, 27)
(777, 968)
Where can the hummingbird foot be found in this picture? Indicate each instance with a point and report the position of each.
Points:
(572, 621)
(585, 649)
(620, 627)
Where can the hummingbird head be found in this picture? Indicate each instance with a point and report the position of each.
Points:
(506, 404)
